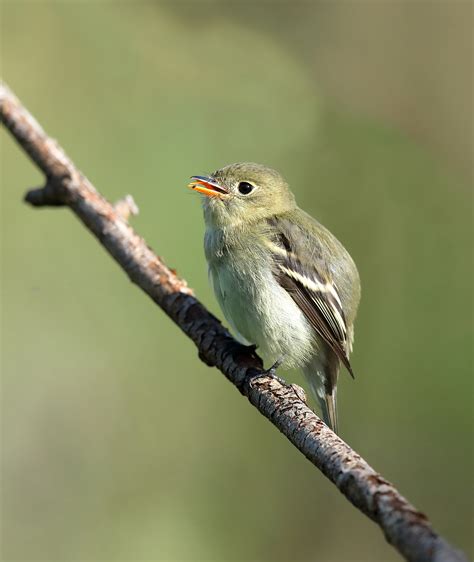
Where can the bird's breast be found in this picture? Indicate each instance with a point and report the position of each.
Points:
(258, 309)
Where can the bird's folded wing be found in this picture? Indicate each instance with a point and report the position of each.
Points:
(310, 285)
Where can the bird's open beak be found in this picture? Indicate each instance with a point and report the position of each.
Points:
(207, 186)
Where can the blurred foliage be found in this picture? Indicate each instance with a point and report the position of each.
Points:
(117, 443)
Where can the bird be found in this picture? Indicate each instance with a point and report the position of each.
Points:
(285, 284)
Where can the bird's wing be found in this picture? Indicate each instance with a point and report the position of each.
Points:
(309, 282)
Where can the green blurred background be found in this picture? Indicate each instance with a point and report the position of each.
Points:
(118, 443)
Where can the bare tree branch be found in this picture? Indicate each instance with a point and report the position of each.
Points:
(407, 529)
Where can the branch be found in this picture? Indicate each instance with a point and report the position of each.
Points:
(408, 530)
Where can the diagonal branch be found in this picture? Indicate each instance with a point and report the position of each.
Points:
(407, 529)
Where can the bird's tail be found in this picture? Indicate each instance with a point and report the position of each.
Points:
(328, 404)
(321, 374)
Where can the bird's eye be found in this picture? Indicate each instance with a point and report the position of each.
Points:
(245, 187)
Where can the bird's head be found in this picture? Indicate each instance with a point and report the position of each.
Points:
(242, 193)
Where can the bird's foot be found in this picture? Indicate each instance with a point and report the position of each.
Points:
(271, 372)
(252, 348)
(240, 349)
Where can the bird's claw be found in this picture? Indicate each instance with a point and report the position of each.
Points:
(252, 348)
(271, 372)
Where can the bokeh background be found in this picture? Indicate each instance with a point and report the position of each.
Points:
(117, 442)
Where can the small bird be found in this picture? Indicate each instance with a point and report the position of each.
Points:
(285, 284)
